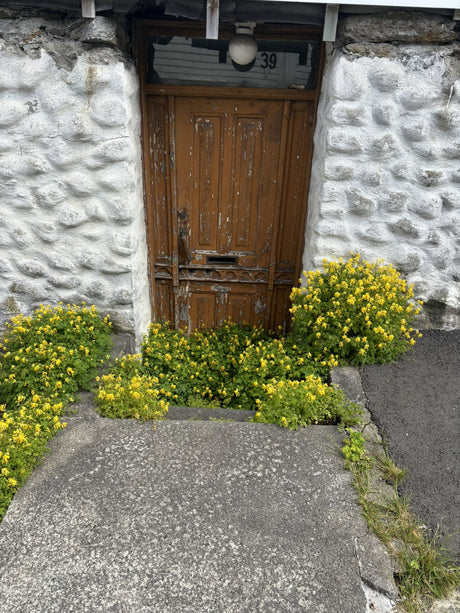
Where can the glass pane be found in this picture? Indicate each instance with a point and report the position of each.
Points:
(176, 60)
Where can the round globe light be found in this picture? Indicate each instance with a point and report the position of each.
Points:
(242, 49)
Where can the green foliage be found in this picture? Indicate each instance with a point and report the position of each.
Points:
(43, 360)
(56, 350)
(354, 312)
(224, 367)
(353, 447)
(425, 572)
(135, 396)
(291, 404)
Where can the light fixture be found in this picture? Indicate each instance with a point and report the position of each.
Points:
(243, 46)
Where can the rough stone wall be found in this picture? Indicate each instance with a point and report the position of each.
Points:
(386, 168)
(71, 198)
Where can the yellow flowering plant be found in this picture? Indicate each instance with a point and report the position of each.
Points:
(293, 404)
(56, 349)
(354, 312)
(137, 396)
(44, 358)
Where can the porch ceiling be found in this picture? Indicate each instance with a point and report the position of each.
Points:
(260, 11)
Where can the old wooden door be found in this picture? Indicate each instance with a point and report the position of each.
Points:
(227, 203)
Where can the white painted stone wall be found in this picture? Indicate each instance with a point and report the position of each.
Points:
(71, 199)
(386, 167)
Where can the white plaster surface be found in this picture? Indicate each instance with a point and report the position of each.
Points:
(71, 199)
(386, 167)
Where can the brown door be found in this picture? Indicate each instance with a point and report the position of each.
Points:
(226, 206)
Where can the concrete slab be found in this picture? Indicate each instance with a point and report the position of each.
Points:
(184, 516)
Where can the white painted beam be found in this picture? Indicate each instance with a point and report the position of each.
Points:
(330, 22)
(88, 8)
(212, 19)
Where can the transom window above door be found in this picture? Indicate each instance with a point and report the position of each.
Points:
(178, 60)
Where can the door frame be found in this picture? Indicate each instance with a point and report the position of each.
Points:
(144, 28)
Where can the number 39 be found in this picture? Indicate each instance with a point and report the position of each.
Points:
(269, 60)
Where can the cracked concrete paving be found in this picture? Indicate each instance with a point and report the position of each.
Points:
(189, 516)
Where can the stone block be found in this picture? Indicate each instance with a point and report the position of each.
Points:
(38, 165)
(88, 258)
(64, 155)
(427, 150)
(341, 141)
(428, 208)
(450, 200)
(21, 236)
(11, 112)
(347, 83)
(397, 26)
(433, 237)
(452, 151)
(5, 237)
(384, 114)
(55, 96)
(405, 227)
(114, 150)
(109, 111)
(402, 170)
(31, 268)
(455, 176)
(331, 228)
(60, 261)
(71, 217)
(415, 130)
(5, 266)
(359, 203)
(65, 281)
(33, 71)
(394, 202)
(376, 234)
(385, 76)
(101, 30)
(77, 128)
(123, 296)
(338, 172)
(98, 289)
(22, 198)
(430, 177)
(408, 261)
(13, 166)
(330, 192)
(47, 231)
(372, 50)
(372, 176)
(80, 184)
(95, 210)
(50, 195)
(120, 179)
(110, 266)
(415, 98)
(119, 210)
(343, 114)
(447, 120)
(384, 145)
(34, 290)
(121, 244)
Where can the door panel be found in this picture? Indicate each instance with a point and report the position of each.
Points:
(227, 181)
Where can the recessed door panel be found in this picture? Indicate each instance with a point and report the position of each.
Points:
(227, 206)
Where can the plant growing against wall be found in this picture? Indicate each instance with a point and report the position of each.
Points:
(353, 312)
(44, 359)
